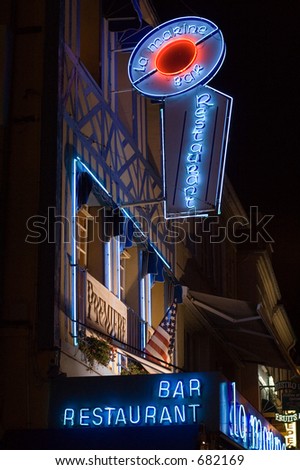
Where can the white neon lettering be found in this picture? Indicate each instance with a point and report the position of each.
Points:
(109, 409)
(204, 99)
(199, 134)
(179, 390)
(195, 387)
(177, 31)
(138, 418)
(192, 168)
(157, 42)
(96, 415)
(193, 158)
(164, 389)
(192, 179)
(196, 148)
(191, 189)
(83, 417)
(174, 32)
(165, 415)
(235, 432)
(120, 417)
(69, 416)
(256, 433)
(190, 202)
(179, 413)
(142, 62)
(194, 408)
(177, 81)
(242, 422)
(188, 77)
(150, 413)
(271, 441)
(167, 35)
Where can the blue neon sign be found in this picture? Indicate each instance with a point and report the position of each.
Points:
(172, 63)
(144, 401)
(154, 400)
(244, 425)
(196, 126)
(176, 56)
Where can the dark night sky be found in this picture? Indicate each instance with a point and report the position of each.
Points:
(260, 72)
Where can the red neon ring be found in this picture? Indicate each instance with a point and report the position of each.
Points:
(176, 57)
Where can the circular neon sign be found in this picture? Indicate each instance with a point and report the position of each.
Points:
(176, 56)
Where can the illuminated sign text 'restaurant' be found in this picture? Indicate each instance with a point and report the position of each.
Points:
(182, 406)
(195, 128)
(161, 400)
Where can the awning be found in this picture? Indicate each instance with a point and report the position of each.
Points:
(239, 325)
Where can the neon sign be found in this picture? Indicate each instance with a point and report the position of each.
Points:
(174, 400)
(171, 64)
(149, 401)
(243, 424)
(176, 56)
(196, 129)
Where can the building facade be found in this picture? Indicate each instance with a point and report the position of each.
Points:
(91, 265)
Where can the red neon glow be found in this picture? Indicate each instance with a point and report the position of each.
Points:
(176, 57)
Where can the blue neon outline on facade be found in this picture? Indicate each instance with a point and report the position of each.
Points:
(178, 29)
(74, 254)
(74, 313)
(125, 212)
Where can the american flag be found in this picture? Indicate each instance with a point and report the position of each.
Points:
(161, 344)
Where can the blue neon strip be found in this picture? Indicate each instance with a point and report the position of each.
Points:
(93, 176)
(155, 249)
(123, 210)
(74, 257)
(161, 256)
(225, 145)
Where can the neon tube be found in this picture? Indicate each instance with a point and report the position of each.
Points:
(73, 256)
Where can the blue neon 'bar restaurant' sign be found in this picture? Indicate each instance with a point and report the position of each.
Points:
(182, 403)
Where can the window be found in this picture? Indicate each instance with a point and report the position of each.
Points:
(124, 257)
(145, 306)
(90, 36)
(112, 257)
(82, 234)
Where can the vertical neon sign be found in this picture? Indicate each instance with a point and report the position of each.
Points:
(171, 64)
